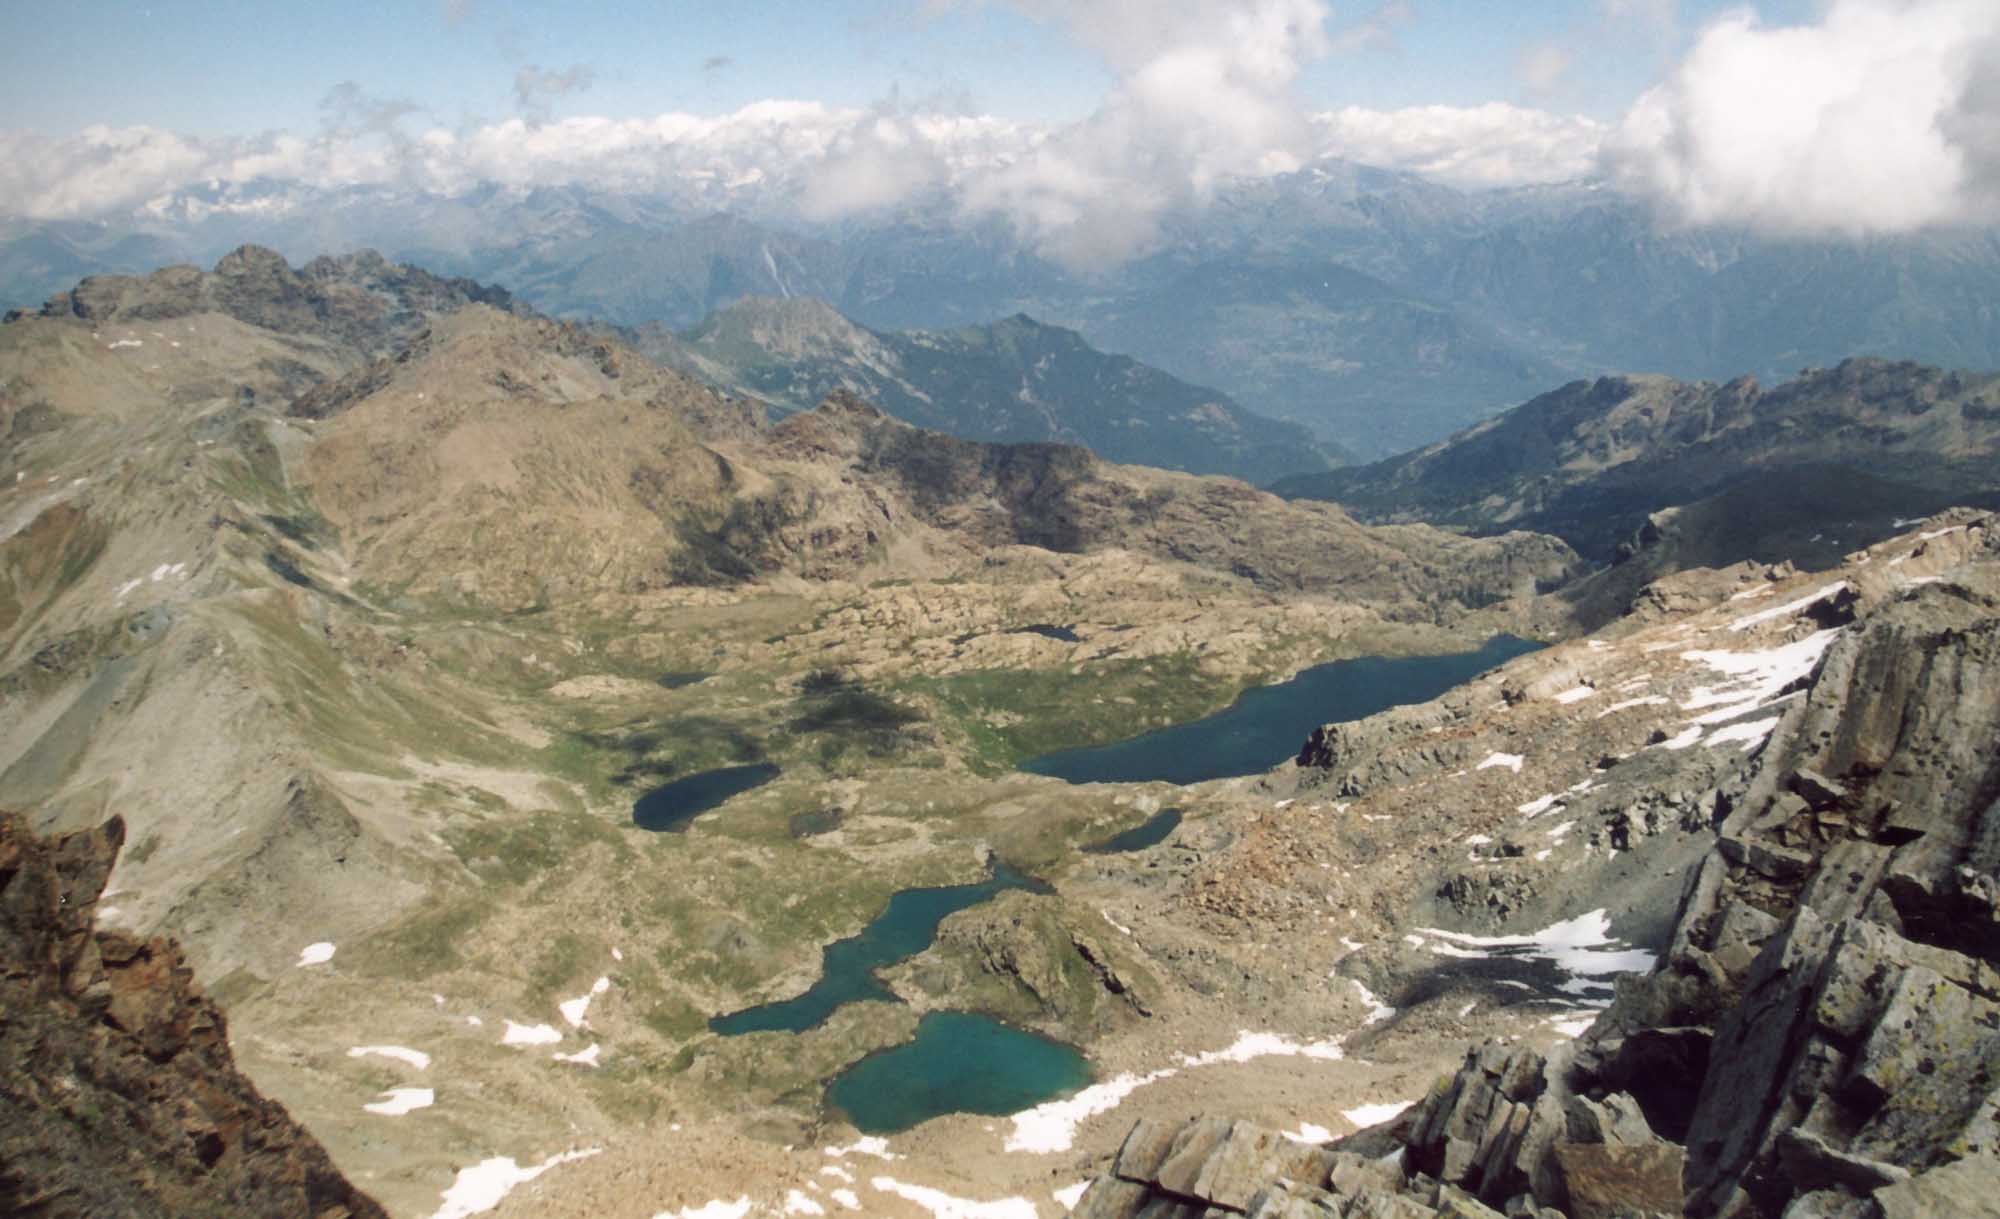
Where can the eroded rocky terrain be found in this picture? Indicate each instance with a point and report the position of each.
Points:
(374, 645)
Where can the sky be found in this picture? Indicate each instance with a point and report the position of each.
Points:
(1082, 122)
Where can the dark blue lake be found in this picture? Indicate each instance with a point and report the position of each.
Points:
(1267, 725)
(670, 807)
(1150, 832)
(847, 967)
(958, 1063)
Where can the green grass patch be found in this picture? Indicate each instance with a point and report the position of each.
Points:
(426, 942)
(1008, 715)
(514, 852)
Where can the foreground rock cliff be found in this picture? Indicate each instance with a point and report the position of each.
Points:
(1821, 1037)
(118, 1094)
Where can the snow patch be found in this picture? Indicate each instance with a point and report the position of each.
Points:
(1752, 734)
(1051, 1125)
(1686, 737)
(718, 1209)
(530, 1034)
(867, 1145)
(835, 1170)
(1309, 1134)
(944, 1206)
(1788, 608)
(1575, 694)
(846, 1198)
(796, 1203)
(1649, 700)
(316, 954)
(1377, 1010)
(1512, 761)
(573, 1010)
(416, 1058)
(1538, 806)
(1576, 946)
(1069, 1195)
(114, 346)
(582, 1058)
(398, 1101)
(480, 1187)
(1365, 1116)
(1122, 928)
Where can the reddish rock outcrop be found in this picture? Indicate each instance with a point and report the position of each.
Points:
(118, 1095)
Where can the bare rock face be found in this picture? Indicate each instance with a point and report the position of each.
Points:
(118, 1095)
(360, 299)
(1823, 1036)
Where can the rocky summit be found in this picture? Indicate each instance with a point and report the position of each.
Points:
(521, 740)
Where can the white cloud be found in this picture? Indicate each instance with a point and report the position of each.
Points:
(1879, 118)
(1494, 145)
(1203, 94)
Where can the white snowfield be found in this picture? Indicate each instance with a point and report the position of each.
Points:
(480, 1187)
(867, 1145)
(1069, 1195)
(316, 954)
(1365, 1116)
(1575, 694)
(574, 1010)
(530, 1034)
(1512, 761)
(1581, 946)
(398, 1101)
(718, 1209)
(1051, 1127)
(944, 1206)
(582, 1058)
(416, 1058)
(1788, 608)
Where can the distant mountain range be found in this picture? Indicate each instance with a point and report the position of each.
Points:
(1381, 310)
(1013, 380)
(1808, 470)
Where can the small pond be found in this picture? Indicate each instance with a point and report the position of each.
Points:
(847, 968)
(669, 808)
(1150, 832)
(1267, 725)
(958, 1063)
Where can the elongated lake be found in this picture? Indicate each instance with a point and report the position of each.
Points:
(958, 1063)
(669, 807)
(1267, 725)
(847, 967)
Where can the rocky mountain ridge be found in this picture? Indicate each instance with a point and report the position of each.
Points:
(1818, 1036)
(1381, 309)
(1592, 462)
(1012, 380)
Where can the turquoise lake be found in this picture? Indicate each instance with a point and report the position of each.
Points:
(1268, 725)
(847, 967)
(958, 1063)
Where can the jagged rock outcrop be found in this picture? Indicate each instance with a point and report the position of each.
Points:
(360, 299)
(1823, 1036)
(118, 1094)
